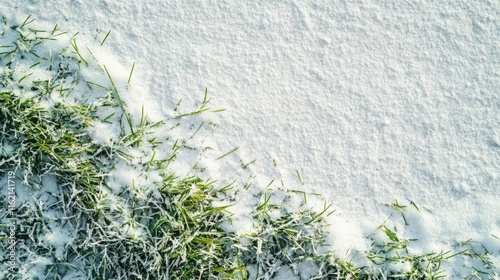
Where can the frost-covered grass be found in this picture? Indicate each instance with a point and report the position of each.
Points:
(97, 197)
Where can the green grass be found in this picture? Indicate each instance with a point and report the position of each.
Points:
(163, 225)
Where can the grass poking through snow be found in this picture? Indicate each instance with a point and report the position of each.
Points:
(97, 198)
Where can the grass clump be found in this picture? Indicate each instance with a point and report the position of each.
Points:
(288, 240)
(97, 197)
(161, 228)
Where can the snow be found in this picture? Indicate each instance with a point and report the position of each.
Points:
(370, 101)
(58, 238)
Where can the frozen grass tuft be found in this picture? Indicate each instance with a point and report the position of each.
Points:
(97, 197)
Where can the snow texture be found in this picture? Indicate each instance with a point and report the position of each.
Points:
(369, 101)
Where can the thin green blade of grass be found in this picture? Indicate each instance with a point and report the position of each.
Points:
(228, 153)
(105, 37)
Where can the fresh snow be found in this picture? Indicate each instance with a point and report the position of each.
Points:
(369, 102)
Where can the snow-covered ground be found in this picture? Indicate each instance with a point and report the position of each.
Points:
(370, 101)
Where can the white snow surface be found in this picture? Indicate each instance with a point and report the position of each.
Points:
(370, 101)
